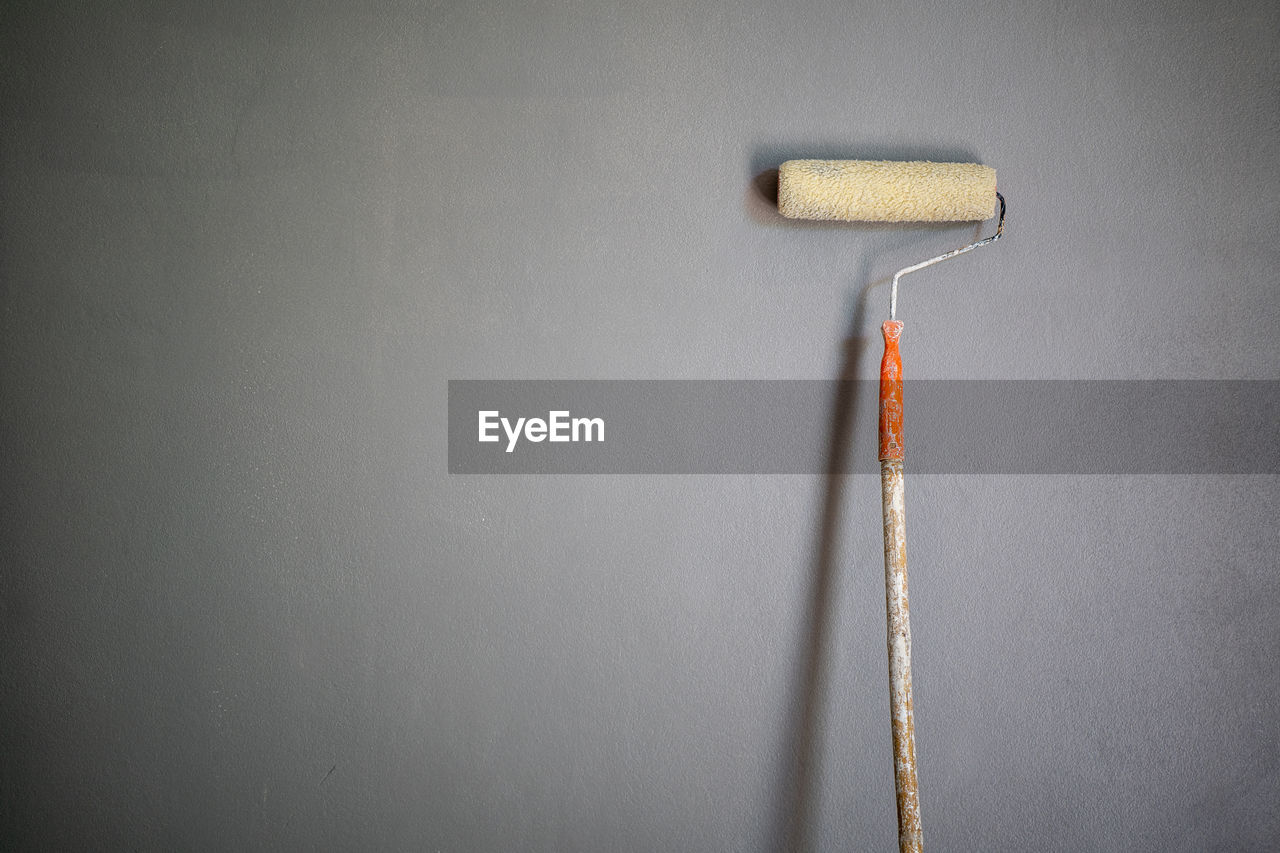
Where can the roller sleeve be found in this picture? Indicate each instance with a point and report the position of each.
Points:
(886, 191)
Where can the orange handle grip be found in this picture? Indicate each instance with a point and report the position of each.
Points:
(891, 393)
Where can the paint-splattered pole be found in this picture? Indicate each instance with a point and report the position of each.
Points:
(895, 591)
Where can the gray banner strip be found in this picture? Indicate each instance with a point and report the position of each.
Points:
(829, 427)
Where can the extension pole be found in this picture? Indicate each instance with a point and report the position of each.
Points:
(895, 592)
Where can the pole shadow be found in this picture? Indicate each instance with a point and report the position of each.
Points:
(803, 755)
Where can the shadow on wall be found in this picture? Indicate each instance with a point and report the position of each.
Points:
(804, 749)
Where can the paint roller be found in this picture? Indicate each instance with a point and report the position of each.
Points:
(887, 191)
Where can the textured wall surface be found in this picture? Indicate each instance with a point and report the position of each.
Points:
(243, 605)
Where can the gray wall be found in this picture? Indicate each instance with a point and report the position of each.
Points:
(245, 245)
